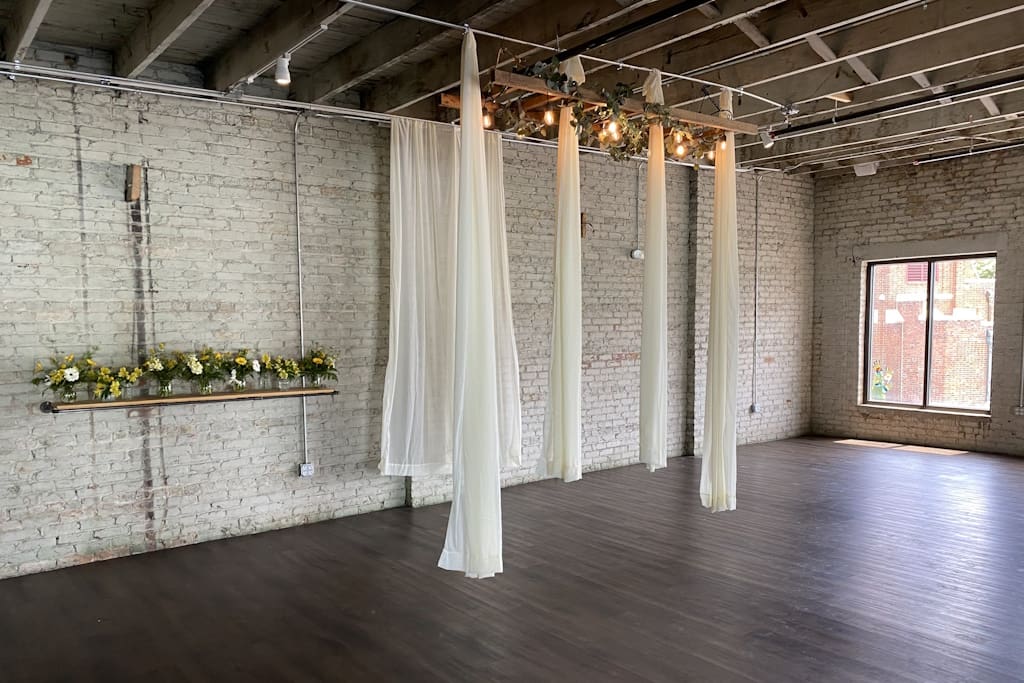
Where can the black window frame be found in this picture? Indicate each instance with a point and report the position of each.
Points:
(866, 366)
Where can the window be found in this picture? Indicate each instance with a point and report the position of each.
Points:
(929, 332)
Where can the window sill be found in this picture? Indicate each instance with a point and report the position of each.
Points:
(928, 411)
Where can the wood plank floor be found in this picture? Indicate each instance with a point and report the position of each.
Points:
(844, 563)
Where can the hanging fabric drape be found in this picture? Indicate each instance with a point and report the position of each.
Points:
(473, 542)
(417, 418)
(562, 452)
(654, 331)
(718, 467)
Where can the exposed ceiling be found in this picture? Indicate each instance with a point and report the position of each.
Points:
(871, 81)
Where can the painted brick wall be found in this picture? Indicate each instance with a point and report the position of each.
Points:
(213, 260)
(935, 208)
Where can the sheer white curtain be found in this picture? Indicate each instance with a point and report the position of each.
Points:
(417, 420)
(654, 330)
(562, 452)
(473, 542)
(718, 466)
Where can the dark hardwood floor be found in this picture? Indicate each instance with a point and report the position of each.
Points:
(844, 563)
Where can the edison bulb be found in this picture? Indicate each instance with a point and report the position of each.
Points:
(613, 128)
(488, 120)
(678, 136)
(711, 155)
(680, 150)
(549, 117)
(722, 144)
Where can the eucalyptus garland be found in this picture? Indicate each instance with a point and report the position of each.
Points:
(606, 126)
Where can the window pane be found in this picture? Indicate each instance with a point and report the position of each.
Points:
(899, 302)
(961, 360)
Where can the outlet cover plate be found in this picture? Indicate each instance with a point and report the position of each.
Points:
(306, 469)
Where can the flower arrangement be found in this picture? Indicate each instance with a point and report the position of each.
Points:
(164, 366)
(202, 367)
(240, 367)
(63, 374)
(881, 381)
(318, 365)
(284, 369)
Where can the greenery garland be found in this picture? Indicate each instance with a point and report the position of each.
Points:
(605, 126)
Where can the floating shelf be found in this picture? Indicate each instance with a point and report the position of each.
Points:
(149, 401)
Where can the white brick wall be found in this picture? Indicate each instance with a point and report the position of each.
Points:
(977, 197)
(217, 264)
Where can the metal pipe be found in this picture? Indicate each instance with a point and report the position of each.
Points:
(298, 265)
(632, 27)
(757, 243)
(835, 122)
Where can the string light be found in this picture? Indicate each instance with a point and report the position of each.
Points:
(678, 136)
(710, 155)
(613, 129)
(549, 117)
(680, 150)
(722, 145)
(488, 119)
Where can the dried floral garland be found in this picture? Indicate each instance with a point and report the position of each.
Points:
(606, 126)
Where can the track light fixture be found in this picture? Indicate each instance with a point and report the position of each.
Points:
(766, 139)
(281, 73)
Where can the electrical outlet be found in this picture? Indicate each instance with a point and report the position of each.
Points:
(1018, 410)
(306, 469)
(755, 407)
(637, 254)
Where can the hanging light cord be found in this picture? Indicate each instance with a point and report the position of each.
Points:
(757, 248)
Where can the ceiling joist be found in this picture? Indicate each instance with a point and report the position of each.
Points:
(289, 25)
(22, 27)
(155, 33)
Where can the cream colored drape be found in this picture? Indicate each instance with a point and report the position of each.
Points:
(562, 452)
(417, 418)
(473, 543)
(654, 331)
(718, 466)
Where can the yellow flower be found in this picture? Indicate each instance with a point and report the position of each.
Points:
(39, 366)
(115, 388)
(240, 360)
(265, 359)
(218, 356)
(69, 358)
(98, 391)
(318, 361)
(90, 361)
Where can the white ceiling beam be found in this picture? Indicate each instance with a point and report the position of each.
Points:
(990, 106)
(890, 127)
(291, 24)
(22, 26)
(913, 41)
(387, 46)
(157, 31)
(569, 22)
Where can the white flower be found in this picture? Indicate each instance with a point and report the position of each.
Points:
(154, 364)
(46, 381)
(194, 366)
(234, 377)
(71, 374)
(255, 366)
(330, 364)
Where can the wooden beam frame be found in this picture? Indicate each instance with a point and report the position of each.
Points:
(155, 33)
(22, 27)
(290, 24)
(630, 105)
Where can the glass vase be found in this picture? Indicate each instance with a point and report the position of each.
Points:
(284, 383)
(237, 385)
(205, 387)
(316, 381)
(68, 394)
(166, 388)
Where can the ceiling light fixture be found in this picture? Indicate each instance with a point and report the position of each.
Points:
(766, 139)
(281, 73)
